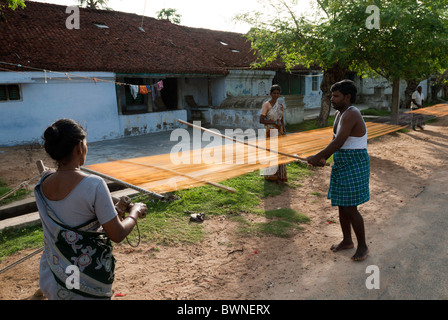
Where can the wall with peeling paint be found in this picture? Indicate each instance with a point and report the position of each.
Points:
(139, 124)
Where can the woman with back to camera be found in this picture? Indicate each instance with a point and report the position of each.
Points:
(79, 220)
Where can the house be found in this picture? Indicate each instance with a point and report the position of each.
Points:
(49, 71)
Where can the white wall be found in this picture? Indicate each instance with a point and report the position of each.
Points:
(367, 89)
(312, 99)
(93, 105)
(138, 124)
(249, 83)
(196, 87)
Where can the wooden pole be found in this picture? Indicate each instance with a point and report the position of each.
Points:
(303, 160)
(41, 167)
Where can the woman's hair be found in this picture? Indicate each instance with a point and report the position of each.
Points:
(346, 87)
(61, 138)
(276, 87)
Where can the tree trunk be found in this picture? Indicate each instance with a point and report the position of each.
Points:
(410, 89)
(331, 76)
(395, 100)
(435, 89)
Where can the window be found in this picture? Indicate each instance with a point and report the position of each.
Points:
(291, 83)
(154, 101)
(315, 82)
(131, 105)
(10, 92)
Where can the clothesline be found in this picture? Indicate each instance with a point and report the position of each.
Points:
(158, 85)
(154, 89)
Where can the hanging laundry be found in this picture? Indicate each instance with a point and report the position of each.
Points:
(143, 90)
(134, 91)
(160, 85)
(149, 88)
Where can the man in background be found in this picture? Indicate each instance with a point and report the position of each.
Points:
(417, 103)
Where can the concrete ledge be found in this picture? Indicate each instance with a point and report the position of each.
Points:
(32, 219)
(26, 220)
(11, 210)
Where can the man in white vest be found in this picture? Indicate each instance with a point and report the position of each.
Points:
(417, 103)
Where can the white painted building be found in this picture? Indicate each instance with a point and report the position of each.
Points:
(43, 98)
(94, 68)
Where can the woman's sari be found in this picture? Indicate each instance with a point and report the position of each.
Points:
(276, 173)
(79, 248)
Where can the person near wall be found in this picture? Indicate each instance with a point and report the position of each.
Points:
(79, 221)
(417, 103)
(272, 117)
(349, 180)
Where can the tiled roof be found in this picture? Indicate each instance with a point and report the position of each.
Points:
(37, 36)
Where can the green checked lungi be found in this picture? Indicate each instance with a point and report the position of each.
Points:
(350, 174)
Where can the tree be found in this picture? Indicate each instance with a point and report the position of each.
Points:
(341, 38)
(439, 81)
(95, 4)
(11, 4)
(295, 40)
(410, 43)
(170, 15)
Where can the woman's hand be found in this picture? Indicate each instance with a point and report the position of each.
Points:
(118, 230)
(139, 208)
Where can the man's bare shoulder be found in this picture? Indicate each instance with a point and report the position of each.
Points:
(354, 113)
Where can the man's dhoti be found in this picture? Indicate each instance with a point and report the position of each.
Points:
(349, 182)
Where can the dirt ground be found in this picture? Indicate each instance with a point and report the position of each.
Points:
(225, 266)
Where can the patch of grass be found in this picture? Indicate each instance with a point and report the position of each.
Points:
(375, 112)
(281, 223)
(13, 240)
(18, 195)
(278, 228)
(288, 214)
(297, 171)
(307, 125)
(167, 223)
(167, 230)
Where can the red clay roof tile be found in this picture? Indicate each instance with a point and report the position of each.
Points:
(37, 36)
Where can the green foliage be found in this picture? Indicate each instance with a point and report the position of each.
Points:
(411, 42)
(95, 4)
(170, 15)
(12, 4)
(279, 35)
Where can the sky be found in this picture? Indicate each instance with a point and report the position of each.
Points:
(208, 14)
